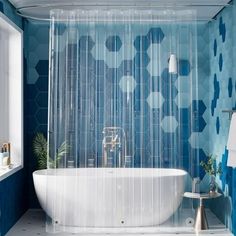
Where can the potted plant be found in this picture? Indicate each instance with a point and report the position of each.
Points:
(212, 169)
(40, 151)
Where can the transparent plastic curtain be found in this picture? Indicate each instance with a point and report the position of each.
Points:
(119, 122)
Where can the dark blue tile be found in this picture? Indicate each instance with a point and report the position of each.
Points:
(184, 132)
(86, 43)
(215, 47)
(113, 43)
(30, 107)
(1, 7)
(31, 91)
(155, 35)
(42, 128)
(199, 124)
(141, 43)
(42, 100)
(42, 67)
(216, 85)
(42, 83)
(165, 75)
(169, 108)
(168, 91)
(198, 107)
(141, 59)
(230, 87)
(154, 83)
(42, 116)
(217, 125)
(141, 75)
(220, 62)
(184, 116)
(184, 67)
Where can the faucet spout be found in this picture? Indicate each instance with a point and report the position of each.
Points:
(114, 147)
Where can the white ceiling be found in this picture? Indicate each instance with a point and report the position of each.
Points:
(205, 9)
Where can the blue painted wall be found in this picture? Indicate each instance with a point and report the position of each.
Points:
(13, 191)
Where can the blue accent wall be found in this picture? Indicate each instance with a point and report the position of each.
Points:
(13, 190)
(222, 96)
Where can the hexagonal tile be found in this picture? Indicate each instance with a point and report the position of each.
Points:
(31, 107)
(42, 34)
(199, 124)
(42, 99)
(32, 59)
(86, 43)
(141, 43)
(198, 106)
(169, 91)
(42, 67)
(220, 62)
(127, 84)
(167, 77)
(126, 68)
(169, 108)
(141, 59)
(42, 116)
(169, 124)
(194, 140)
(217, 125)
(183, 100)
(184, 67)
(230, 87)
(155, 100)
(42, 51)
(32, 76)
(113, 43)
(155, 35)
(183, 84)
(42, 83)
(215, 47)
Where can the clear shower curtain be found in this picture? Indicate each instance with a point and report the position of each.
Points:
(113, 104)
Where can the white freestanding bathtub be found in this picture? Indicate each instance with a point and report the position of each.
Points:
(109, 197)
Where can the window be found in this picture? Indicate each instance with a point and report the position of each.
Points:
(11, 93)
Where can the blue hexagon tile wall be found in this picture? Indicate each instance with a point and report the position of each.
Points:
(157, 96)
(222, 94)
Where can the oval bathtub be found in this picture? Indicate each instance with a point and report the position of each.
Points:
(105, 197)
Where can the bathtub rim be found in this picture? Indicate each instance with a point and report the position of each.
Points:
(112, 172)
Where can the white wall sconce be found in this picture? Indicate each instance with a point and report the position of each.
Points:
(173, 64)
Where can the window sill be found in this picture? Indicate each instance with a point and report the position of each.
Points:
(6, 172)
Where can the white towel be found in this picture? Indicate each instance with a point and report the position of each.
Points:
(231, 145)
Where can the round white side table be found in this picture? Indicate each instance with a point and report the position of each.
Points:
(201, 219)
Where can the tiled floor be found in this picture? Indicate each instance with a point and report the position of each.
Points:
(33, 224)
